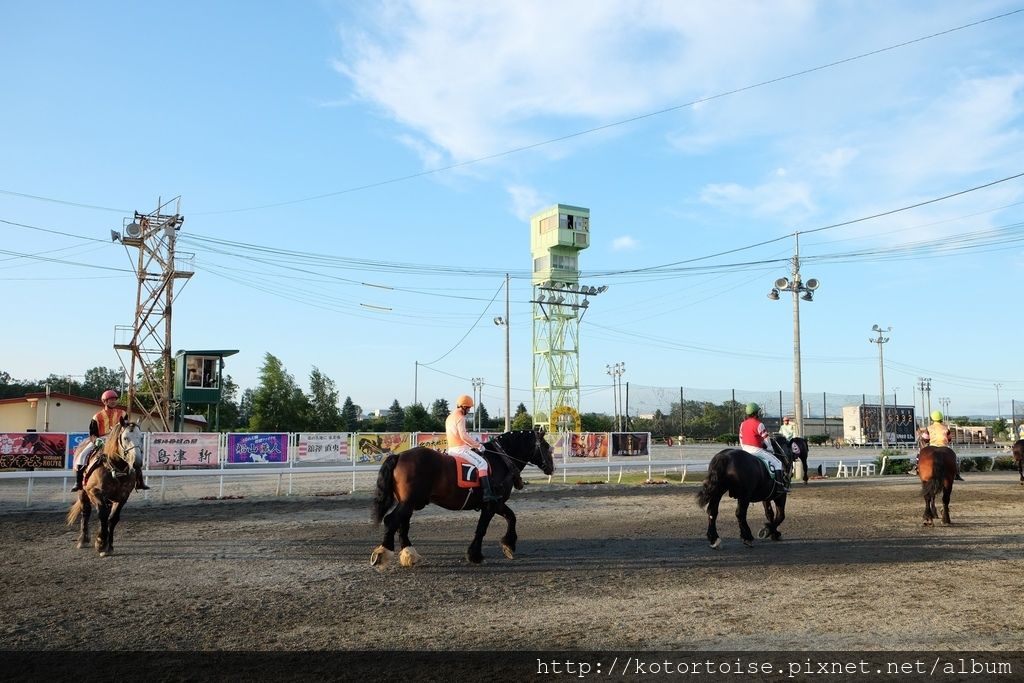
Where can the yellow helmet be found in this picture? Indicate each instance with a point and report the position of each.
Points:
(464, 401)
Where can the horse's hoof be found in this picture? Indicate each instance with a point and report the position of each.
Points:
(763, 532)
(82, 544)
(776, 536)
(717, 545)
(409, 557)
(476, 558)
(509, 552)
(748, 543)
(106, 553)
(380, 557)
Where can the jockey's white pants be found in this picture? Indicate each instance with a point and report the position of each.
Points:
(774, 464)
(469, 454)
(83, 455)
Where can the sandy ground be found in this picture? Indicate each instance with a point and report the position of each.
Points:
(598, 567)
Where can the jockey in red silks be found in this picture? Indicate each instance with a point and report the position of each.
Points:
(754, 440)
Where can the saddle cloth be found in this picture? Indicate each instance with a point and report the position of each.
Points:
(468, 475)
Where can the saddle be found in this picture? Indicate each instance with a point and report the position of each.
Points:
(468, 476)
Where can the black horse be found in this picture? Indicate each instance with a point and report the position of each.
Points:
(798, 449)
(1018, 458)
(744, 477)
(419, 476)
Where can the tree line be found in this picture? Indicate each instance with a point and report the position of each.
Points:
(279, 404)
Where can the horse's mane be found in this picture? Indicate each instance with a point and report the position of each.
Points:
(112, 447)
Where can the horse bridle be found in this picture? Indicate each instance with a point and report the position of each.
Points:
(501, 450)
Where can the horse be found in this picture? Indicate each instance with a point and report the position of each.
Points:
(798, 448)
(746, 479)
(411, 479)
(1018, 458)
(107, 484)
(936, 467)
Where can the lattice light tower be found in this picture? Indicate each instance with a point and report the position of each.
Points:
(557, 235)
(148, 340)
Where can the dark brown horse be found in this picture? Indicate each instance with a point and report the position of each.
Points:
(1018, 458)
(411, 479)
(109, 481)
(936, 467)
(744, 477)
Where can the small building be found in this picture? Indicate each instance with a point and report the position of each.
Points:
(57, 412)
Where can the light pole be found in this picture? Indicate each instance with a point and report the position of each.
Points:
(881, 381)
(478, 394)
(616, 372)
(800, 291)
(504, 322)
(925, 385)
(999, 405)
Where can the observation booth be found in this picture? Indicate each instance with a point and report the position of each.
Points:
(198, 377)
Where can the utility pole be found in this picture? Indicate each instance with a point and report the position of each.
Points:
(881, 381)
(925, 385)
(478, 395)
(148, 339)
(805, 292)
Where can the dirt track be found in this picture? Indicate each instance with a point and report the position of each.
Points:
(598, 567)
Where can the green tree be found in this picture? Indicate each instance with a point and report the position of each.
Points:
(245, 409)
(439, 410)
(417, 419)
(522, 419)
(395, 417)
(484, 416)
(324, 414)
(99, 379)
(350, 415)
(593, 422)
(278, 403)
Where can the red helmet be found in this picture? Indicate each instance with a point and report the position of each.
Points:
(110, 393)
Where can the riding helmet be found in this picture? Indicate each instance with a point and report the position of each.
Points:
(464, 401)
(753, 409)
(109, 393)
(937, 416)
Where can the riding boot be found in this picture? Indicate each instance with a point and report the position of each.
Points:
(79, 473)
(485, 484)
(140, 485)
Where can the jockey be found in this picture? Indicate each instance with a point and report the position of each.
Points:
(938, 435)
(461, 443)
(787, 429)
(101, 424)
(754, 440)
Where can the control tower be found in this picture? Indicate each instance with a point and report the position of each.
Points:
(557, 235)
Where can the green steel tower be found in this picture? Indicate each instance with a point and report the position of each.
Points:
(557, 235)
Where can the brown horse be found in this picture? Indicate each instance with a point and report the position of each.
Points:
(1018, 458)
(109, 481)
(936, 467)
(411, 479)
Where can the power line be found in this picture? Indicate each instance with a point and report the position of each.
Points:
(550, 141)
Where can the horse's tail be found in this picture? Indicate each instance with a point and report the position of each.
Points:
(74, 512)
(384, 498)
(713, 482)
(933, 487)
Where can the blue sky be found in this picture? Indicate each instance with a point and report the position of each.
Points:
(389, 155)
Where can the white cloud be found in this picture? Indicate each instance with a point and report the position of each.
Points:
(771, 198)
(483, 81)
(624, 243)
(526, 201)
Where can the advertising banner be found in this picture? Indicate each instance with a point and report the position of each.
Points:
(630, 443)
(257, 448)
(75, 439)
(177, 449)
(33, 449)
(323, 447)
(375, 446)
